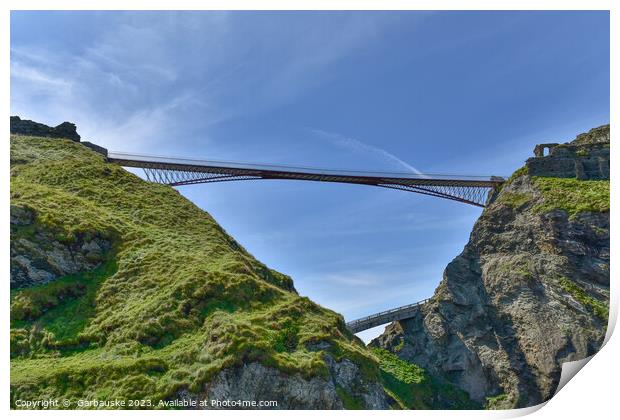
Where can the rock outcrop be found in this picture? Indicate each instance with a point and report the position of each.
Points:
(345, 387)
(38, 256)
(529, 292)
(66, 130)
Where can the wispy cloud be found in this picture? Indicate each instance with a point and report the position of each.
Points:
(351, 226)
(354, 279)
(46, 93)
(373, 292)
(358, 146)
(215, 66)
(38, 78)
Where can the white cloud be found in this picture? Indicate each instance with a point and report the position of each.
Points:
(37, 78)
(359, 146)
(136, 65)
(354, 279)
(142, 130)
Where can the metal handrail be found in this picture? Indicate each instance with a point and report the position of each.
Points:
(265, 166)
(175, 172)
(389, 311)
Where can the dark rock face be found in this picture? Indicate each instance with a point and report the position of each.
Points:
(38, 257)
(66, 130)
(255, 382)
(516, 303)
(586, 157)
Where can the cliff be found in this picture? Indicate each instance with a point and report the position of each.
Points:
(123, 289)
(530, 290)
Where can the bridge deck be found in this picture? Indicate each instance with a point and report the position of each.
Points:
(472, 190)
(396, 314)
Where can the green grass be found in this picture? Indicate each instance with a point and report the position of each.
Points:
(348, 401)
(400, 369)
(516, 174)
(515, 200)
(400, 345)
(572, 195)
(519, 268)
(287, 337)
(569, 194)
(598, 308)
(497, 402)
(178, 301)
(413, 388)
(63, 307)
(582, 152)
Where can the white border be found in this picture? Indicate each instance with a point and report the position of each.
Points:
(591, 395)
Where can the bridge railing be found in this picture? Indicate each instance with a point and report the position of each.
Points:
(370, 321)
(131, 157)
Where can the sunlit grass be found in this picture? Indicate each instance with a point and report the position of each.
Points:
(177, 301)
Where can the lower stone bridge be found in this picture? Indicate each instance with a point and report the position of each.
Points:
(396, 314)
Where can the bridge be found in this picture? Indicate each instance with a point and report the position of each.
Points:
(473, 190)
(396, 314)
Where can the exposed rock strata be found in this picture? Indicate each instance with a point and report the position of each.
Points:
(516, 303)
(38, 256)
(255, 382)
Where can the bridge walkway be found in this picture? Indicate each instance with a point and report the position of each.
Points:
(396, 314)
(473, 190)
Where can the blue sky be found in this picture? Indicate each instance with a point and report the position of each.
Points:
(450, 92)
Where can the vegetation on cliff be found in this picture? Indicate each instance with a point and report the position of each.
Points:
(569, 194)
(175, 301)
(413, 388)
(572, 195)
(529, 292)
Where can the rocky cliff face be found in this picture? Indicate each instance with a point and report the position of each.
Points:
(344, 388)
(529, 292)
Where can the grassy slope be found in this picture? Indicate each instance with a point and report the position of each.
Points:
(572, 195)
(569, 194)
(176, 301)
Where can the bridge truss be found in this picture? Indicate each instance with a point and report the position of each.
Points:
(176, 172)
